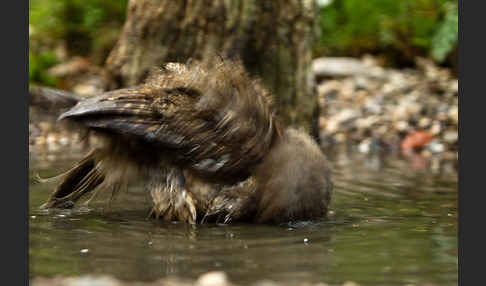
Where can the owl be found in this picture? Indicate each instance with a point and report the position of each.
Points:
(204, 140)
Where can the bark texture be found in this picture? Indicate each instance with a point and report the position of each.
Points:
(272, 38)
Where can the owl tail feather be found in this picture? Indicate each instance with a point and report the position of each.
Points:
(83, 178)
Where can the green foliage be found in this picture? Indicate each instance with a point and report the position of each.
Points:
(59, 19)
(38, 64)
(401, 29)
(86, 27)
(446, 37)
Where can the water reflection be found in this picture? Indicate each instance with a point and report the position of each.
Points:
(389, 225)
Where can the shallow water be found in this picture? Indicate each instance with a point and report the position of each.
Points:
(390, 224)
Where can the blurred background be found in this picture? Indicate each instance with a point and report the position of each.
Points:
(395, 31)
(377, 75)
(59, 30)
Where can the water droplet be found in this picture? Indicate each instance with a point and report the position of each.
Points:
(306, 240)
(85, 250)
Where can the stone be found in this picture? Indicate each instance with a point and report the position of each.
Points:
(214, 278)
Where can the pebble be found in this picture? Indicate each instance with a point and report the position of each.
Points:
(401, 125)
(41, 140)
(436, 128)
(51, 139)
(424, 122)
(214, 278)
(436, 147)
(63, 140)
(450, 136)
(364, 146)
(454, 115)
(388, 105)
(350, 283)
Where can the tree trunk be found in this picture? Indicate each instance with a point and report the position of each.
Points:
(273, 39)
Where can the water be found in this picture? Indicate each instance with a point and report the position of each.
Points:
(390, 224)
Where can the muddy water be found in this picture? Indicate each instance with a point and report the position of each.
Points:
(390, 224)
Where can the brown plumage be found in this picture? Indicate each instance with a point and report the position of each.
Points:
(204, 140)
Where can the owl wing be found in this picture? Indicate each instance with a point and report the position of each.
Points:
(216, 121)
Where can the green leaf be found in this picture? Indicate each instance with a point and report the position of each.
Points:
(446, 38)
